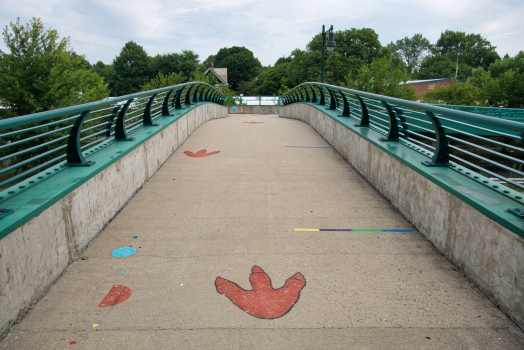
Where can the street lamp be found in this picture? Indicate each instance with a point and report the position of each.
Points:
(330, 45)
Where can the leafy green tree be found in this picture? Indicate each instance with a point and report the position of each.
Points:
(162, 80)
(380, 78)
(240, 63)
(186, 63)
(472, 49)
(106, 71)
(271, 80)
(507, 90)
(208, 60)
(40, 72)
(516, 64)
(359, 43)
(454, 94)
(410, 51)
(132, 69)
(305, 66)
(436, 67)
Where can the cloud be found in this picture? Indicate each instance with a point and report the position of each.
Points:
(271, 29)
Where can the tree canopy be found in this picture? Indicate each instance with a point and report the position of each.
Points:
(41, 72)
(132, 69)
(241, 64)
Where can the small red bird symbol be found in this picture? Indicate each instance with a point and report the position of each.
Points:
(252, 122)
(201, 153)
(263, 301)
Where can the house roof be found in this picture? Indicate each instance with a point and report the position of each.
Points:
(220, 74)
(428, 81)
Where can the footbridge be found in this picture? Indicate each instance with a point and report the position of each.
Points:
(163, 219)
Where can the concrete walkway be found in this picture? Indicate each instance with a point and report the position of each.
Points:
(200, 218)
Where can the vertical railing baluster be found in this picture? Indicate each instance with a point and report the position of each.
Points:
(345, 110)
(120, 127)
(322, 97)
(74, 151)
(165, 105)
(393, 133)
(441, 155)
(364, 114)
(314, 97)
(333, 100)
(188, 96)
(147, 121)
(110, 119)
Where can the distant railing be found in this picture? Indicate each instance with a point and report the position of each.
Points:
(505, 113)
(477, 146)
(48, 141)
(252, 101)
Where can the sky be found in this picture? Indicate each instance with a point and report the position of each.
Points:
(271, 29)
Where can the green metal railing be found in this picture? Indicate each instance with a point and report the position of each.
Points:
(252, 101)
(516, 114)
(461, 140)
(48, 141)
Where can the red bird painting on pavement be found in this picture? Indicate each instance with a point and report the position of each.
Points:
(263, 301)
(201, 153)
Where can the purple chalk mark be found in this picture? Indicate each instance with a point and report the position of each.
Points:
(305, 147)
(334, 229)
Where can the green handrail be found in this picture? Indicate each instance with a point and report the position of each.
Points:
(26, 142)
(448, 136)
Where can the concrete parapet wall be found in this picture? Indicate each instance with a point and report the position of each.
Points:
(490, 255)
(35, 254)
(253, 109)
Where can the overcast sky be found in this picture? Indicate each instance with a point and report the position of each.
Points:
(271, 29)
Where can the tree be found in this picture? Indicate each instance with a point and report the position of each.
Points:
(507, 90)
(106, 71)
(359, 43)
(454, 94)
(472, 49)
(440, 66)
(186, 63)
(41, 72)
(240, 63)
(162, 80)
(410, 51)
(380, 78)
(132, 69)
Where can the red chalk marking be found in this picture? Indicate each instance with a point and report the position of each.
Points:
(263, 301)
(201, 153)
(116, 295)
(252, 122)
(72, 342)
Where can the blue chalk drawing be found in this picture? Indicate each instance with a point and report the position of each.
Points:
(123, 252)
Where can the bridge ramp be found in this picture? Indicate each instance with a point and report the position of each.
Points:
(224, 215)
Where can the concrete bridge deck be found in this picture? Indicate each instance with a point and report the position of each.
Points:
(200, 218)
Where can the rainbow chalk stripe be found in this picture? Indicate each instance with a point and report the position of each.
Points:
(349, 230)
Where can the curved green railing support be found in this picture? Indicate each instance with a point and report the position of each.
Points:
(449, 136)
(64, 135)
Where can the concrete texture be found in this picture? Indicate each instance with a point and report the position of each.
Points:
(200, 218)
(33, 256)
(253, 110)
(489, 254)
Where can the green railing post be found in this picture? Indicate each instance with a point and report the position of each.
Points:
(333, 100)
(188, 96)
(147, 112)
(345, 111)
(441, 155)
(393, 134)
(201, 97)
(195, 95)
(120, 127)
(400, 115)
(322, 97)
(307, 94)
(109, 124)
(364, 115)
(165, 105)
(314, 98)
(74, 152)
(178, 102)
